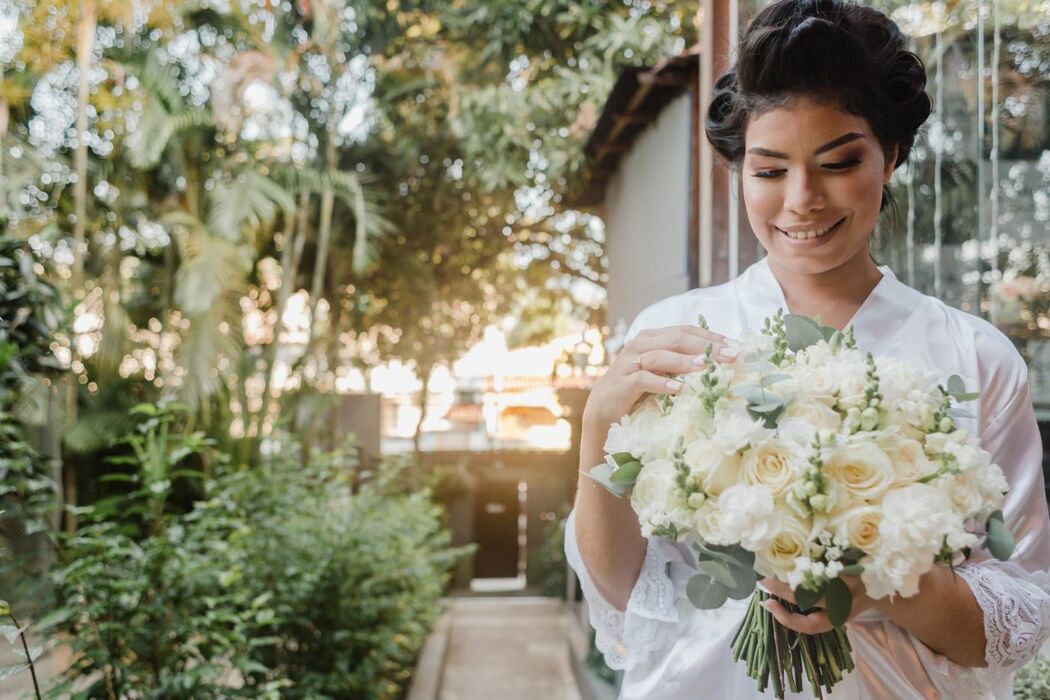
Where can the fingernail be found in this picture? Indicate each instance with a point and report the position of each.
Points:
(728, 352)
(698, 360)
(673, 384)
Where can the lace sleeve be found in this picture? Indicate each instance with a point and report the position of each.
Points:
(627, 637)
(1016, 607)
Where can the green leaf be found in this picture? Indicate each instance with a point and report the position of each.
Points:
(733, 555)
(806, 598)
(852, 570)
(801, 332)
(966, 395)
(623, 458)
(746, 580)
(829, 332)
(838, 601)
(627, 474)
(767, 407)
(1000, 541)
(705, 593)
(601, 474)
(718, 571)
(774, 378)
(956, 384)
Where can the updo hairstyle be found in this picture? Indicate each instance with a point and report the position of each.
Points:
(828, 50)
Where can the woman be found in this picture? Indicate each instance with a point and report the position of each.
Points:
(823, 104)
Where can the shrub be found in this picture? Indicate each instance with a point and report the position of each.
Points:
(289, 580)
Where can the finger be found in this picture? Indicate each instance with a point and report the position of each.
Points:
(779, 589)
(670, 362)
(813, 623)
(644, 381)
(687, 340)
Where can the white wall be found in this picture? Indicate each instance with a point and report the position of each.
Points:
(646, 213)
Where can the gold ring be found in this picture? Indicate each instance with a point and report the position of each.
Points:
(638, 363)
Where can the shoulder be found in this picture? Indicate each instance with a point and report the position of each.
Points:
(686, 308)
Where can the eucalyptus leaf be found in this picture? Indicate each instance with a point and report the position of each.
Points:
(852, 570)
(733, 554)
(602, 474)
(774, 378)
(838, 601)
(622, 458)
(627, 474)
(746, 580)
(767, 407)
(705, 593)
(829, 332)
(966, 395)
(801, 332)
(718, 571)
(1000, 541)
(956, 384)
(959, 412)
(806, 598)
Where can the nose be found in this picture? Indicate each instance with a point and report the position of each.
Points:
(804, 193)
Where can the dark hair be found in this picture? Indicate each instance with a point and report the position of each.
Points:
(830, 50)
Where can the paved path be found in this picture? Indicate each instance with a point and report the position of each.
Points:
(514, 648)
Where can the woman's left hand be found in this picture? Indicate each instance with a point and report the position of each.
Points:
(816, 621)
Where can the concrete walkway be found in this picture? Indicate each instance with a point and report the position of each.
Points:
(515, 648)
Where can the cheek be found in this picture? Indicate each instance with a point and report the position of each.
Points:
(762, 202)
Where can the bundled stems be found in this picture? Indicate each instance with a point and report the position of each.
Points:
(778, 656)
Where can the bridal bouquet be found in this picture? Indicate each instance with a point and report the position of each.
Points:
(807, 460)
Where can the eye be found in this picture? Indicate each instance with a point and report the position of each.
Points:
(845, 165)
(768, 173)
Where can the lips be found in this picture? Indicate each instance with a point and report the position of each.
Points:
(813, 236)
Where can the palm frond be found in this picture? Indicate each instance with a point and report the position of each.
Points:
(210, 265)
(248, 199)
(213, 336)
(370, 224)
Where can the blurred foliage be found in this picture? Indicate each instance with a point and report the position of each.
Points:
(1032, 681)
(294, 579)
(30, 317)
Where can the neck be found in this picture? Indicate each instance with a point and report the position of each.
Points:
(834, 295)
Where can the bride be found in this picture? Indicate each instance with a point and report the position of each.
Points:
(823, 104)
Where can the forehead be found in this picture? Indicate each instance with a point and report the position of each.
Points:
(801, 124)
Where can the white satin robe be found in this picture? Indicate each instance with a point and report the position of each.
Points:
(669, 650)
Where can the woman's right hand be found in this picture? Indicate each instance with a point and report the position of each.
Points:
(642, 367)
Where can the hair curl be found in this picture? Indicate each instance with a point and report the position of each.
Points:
(853, 56)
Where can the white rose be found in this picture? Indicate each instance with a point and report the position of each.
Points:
(815, 384)
(772, 464)
(735, 430)
(654, 494)
(749, 515)
(916, 518)
(863, 468)
(908, 457)
(712, 467)
(859, 526)
(663, 435)
(814, 412)
(791, 541)
(708, 524)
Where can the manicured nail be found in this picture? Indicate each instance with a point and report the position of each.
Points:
(728, 352)
(674, 384)
(699, 360)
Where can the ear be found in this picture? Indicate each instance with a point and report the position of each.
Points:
(891, 163)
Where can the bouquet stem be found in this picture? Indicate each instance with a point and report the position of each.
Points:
(778, 656)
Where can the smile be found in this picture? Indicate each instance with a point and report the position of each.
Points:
(815, 233)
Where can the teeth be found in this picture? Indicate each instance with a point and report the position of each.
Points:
(803, 235)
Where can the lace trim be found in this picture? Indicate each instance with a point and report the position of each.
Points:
(627, 637)
(1016, 607)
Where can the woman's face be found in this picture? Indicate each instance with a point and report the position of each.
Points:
(812, 182)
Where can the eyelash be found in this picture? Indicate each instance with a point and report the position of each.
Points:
(833, 167)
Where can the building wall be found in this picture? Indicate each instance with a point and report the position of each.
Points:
(646, 214)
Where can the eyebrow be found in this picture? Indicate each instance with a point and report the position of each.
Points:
(844, 139)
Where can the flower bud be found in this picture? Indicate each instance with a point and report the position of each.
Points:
(945, 425)
(696, 500)
(818, 502)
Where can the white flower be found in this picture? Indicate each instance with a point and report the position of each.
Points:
(708, 523)
(654, 495)
(735, 429)
(772, 464)
(791, 541)
(814, 412)
(909, 459)
(858, 525)
(713, 468)
(749, 515)
(916, 519)
(630, 434)
(864, 469)
(893, 573)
